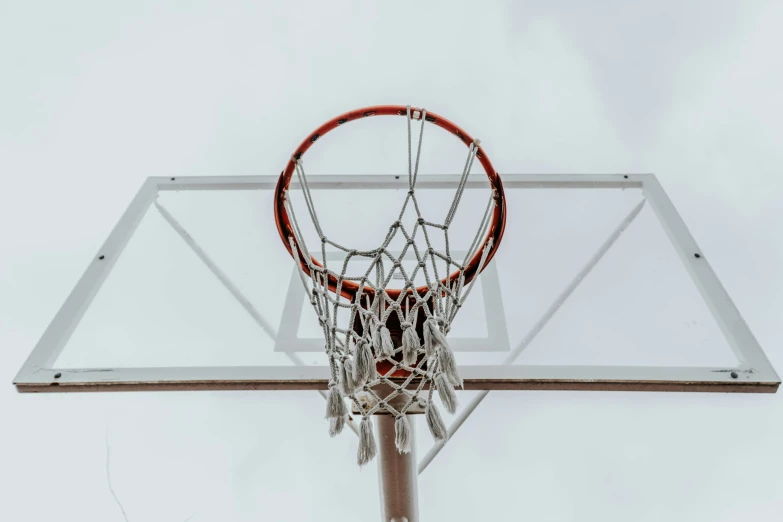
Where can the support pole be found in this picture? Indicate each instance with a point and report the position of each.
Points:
(397, 475)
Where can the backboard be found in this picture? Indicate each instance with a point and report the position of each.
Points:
(597, 286)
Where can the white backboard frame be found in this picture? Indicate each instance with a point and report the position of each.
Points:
(754, 373)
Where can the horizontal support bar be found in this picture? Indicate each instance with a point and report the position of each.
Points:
(375, 181)
(514, 385)
(607, 378)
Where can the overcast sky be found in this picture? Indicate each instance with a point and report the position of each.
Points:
(96, 96)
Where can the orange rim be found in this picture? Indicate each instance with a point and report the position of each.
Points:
(349, 288)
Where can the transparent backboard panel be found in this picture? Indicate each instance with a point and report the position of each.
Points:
(205, 281)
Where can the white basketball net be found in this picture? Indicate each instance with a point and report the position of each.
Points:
(353, 354)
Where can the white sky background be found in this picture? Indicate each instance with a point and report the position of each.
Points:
(96, 96)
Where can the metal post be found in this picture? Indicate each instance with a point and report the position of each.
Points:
(397, 475)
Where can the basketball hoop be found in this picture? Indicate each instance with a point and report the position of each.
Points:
(378, 360)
